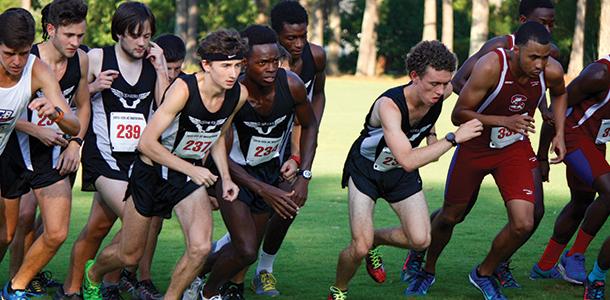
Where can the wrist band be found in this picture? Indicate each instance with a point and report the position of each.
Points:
(60, 115)
(296, 159)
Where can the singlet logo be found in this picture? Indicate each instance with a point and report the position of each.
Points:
(517, 103)
(65, 92)
(135, 99)
(6, 115)
(265, 128)
(307, 84)
(534, 83)
(416, 132)
(211, 125)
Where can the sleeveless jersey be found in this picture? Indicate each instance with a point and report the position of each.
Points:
(36, 155)
(195, 129)
(510, 40)
(509, 97)
(308, 70)
(372, 144)
(258, 140)
(14, 102)
(592, 116)
(119, 114)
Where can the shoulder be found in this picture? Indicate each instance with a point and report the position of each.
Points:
(319, 56)
(490, 62)
(95, 56)
(294, 81)
(83, 59)
(555, 51)
(243, 92)
(553, 70)
(494, 43)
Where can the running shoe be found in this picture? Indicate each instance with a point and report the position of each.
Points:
(487, 285)
(36, 288)
(232, 291)
(128, 282)
(264, 283)
(374, 265)
(595, 289)
(504, 275)
(148, 291)
(91, 291)
(413, 265)
(111, 292)
(420, 283)
(337, 294)
(537, 273)
(573, 268)
(14, 295)
(194, 290)
(47, 279)
(61, 295)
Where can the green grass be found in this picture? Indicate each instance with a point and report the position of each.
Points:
(306, 264)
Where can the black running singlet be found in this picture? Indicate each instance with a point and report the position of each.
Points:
(308, 70)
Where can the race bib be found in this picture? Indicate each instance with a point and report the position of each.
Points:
(603, 136)
(263, 149)
(125, 130)
(43, 121)
(502, 137)
(195, 145)
(385, 161)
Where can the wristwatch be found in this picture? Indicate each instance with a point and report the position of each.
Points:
(76, 139)
(450, 137)
(306, 174)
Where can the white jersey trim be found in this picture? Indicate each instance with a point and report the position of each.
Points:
(498, 88)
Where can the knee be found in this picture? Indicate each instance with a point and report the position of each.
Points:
(248, 254)
(446, 219)
(27, 217)
(522, 228)
(97, 231)
(421, 242)
(55, 238)
(197, 251)
(6, 238)
(130, 258)
(361, 247)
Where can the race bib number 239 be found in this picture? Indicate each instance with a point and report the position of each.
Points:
(125, 130)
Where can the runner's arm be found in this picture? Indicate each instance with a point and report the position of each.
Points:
(559, 103)
(318, 101)
(464, 72)
(82, 97)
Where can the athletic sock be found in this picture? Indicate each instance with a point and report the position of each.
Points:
(581, 243)
(225, 239)
(551, 255)
(597, 273)
(265, 262)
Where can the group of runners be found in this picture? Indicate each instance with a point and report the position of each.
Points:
(240, 136)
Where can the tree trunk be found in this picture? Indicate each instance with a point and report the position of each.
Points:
(26, 4)
(181, 19)
(334, 41)
(367, 50)
(496, 4)
(578, 41)
(604, 29)
(448, 24)
(262, 8)
(479, 28)
(192, 32)
(429, 20)
(317, 20)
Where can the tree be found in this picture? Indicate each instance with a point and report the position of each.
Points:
(317, 19)
(334, 41)
(181, 18)
(448, 23)
(479, 30)
(604, 29)
(578, 40)
(367, 50)
(262, 7)
(192, 32)
(429, 32)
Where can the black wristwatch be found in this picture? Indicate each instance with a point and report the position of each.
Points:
(450, 137)
(306, 174)
(76, 139)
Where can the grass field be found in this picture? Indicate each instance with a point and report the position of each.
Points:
(306, 264)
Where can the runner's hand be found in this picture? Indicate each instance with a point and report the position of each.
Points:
(202, 176)
(468, 131)
(559, 147)
(50, 137)
(280, 201)
(300, 191)
(523, 124)
(69, 159)
(229, 190)
(44, 107)
(289, 170)
(103, 81)
(155, 56)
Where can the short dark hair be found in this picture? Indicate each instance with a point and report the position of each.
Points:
(532, 31)
(19, 28)
(223, 41)
(173, 47)
(129, 16)
(430, 53)
(258, 35)
(526, 7)
(289, 12)
(63, 13)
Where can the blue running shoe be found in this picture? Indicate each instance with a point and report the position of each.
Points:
(420, 284)
(573, 268)
(553, 273)
(15, 295)
(594, 290)
(505, 277)
(487, 285)
(413, 265)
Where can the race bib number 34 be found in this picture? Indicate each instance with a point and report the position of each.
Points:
(263, 149)
(125, 130)
(502, 137)
(195, 145)
(603, 136)
(385, 161)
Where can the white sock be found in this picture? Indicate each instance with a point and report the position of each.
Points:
(225, 239)
(265, 262)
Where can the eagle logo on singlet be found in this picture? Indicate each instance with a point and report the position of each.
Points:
(6, 115)
(211, 125)
(265, 128)
(417, 132)
(517, 103)
(135, 99)
(65, 92)
(307, 84)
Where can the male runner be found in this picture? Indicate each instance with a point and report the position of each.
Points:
(384, 161)
(174, 51)
(587, 173)
(47, 157)
(21, 75)
(124, 79)
(195, 113)
(261, 131)
(503, 92)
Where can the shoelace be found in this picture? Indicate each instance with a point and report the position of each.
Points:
(337, 294)
(505, 273)
(375, 257)
(47, 279)
(596, 290)
(150, 288)
(415, 262)
(233, 292)
(420, 278)
(36, 286)
(268, 281)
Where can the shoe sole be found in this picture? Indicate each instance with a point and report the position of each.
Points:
(477, 286)
(414, 295)
(564, 275)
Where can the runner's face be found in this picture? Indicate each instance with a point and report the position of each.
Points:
(544, 16)
(263, 63)
(67, 39)
(136, 46)
(533, 57)
(174, 69)
(225, 72)
(293, 37)
(13, 60)
(432, 85)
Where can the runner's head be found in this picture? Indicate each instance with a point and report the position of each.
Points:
(64, 24)
(133, 24)
(533, 48)
(222, 55)
(263, 56)
(541, 11)
(174, 52)
(16, 39)
(430, 65)
(289, 20)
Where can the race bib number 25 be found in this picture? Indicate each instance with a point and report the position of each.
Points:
(125, 130)
(385, 161)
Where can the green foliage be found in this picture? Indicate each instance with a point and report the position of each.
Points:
(226, 14)
(99, 21)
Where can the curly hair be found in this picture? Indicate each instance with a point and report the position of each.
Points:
(526, 7)
(223, 41)
(289, 12)
(19, 28)
(63, 13)
(430, 53)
